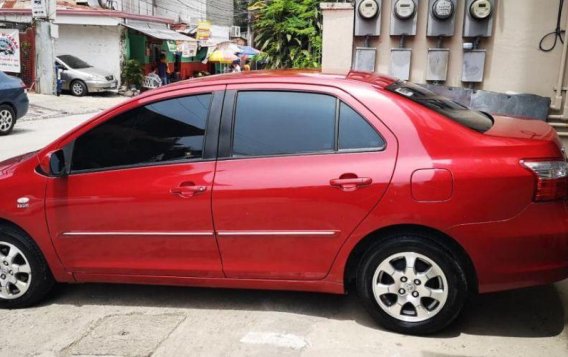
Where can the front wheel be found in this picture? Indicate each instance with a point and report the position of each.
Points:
(25, 278)
(78, 88)
(412, 285)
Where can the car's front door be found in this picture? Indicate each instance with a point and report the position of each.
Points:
(299, 168)
(137, 200)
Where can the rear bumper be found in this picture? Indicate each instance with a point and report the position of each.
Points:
(102, 86)
(530, 249)
(21, 103)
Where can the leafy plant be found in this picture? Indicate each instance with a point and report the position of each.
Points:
(132, 73)
(288, 32)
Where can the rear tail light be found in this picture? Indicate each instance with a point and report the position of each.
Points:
(551, 179)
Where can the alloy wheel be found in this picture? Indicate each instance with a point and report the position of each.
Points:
(77, 88)
(6, 120)
(410, 287)
(15, 272)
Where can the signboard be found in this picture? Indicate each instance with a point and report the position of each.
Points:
(10, 51)
(187, 48)
(203, 31)
(39, 9)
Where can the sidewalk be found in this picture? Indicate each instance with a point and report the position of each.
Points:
(50, 106)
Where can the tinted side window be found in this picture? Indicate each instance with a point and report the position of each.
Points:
(277, 123)
(355, 132)
(170, 130)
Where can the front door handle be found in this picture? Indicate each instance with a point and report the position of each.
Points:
(187, 189)
(349, 184)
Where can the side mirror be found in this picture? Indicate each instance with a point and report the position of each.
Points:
(53, 164)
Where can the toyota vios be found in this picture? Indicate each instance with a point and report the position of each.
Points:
(297, 181)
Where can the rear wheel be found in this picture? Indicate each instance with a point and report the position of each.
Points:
(25, 278)
(7, 119)
(412, 285)
(78, 88)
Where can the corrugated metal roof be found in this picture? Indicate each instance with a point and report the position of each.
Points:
(157, 31)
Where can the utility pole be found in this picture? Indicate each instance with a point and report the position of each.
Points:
(249, 27)
(43, 13)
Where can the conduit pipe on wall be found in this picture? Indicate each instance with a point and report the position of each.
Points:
(557, 100)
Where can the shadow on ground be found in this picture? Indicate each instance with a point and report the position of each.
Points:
(534, 312)
(107, 94)
(19, 131)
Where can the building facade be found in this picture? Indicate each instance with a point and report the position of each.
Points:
(221, 12)
(105, 36)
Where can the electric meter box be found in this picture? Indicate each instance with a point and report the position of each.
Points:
(478, 18)
(403, 17)
(400, 63)
(441, 18)
(473, 66)
(365, 59)
(437, 68)
(368, 17)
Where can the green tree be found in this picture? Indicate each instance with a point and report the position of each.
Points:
(288, 32)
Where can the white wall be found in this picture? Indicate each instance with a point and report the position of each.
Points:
(100, 46)
(189, 11)
(221, 12)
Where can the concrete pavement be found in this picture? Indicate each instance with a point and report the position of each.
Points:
(49, 106)
(29, 135)
(121, 320)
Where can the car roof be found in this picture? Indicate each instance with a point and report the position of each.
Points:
(378, 81)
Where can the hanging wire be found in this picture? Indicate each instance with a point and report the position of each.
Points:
(557, 33)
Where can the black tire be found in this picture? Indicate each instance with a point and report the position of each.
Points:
(419, 245)
(7, 119)
(41, 278)
(78, 88)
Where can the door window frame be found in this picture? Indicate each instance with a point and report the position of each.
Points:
(226, 135)
(210, 140)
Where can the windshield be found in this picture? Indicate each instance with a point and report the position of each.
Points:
(477, 121)
(74, 62)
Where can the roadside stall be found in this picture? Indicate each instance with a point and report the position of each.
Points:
(147, 42)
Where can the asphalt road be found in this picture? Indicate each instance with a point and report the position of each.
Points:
(120, 320)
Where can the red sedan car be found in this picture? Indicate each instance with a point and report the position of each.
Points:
(297, 181)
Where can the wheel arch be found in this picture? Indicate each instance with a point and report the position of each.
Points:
(443, 240)
(45, 248)
(8, 223)
(11, 106)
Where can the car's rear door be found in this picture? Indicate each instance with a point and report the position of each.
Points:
(138, 198)
(300, 167)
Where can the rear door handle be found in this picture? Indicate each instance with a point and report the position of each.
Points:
(350, 184)
(187, 189)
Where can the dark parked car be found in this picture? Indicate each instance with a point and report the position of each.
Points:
(13, 102)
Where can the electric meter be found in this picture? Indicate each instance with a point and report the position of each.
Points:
(480, 9)
(367, 18)
(443, 9)
(368, 9)
(404, 9)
